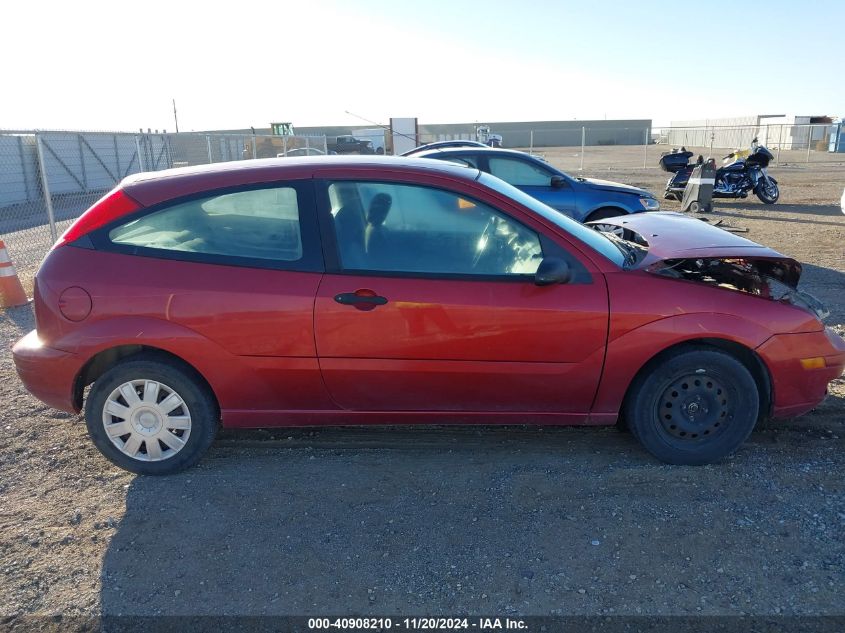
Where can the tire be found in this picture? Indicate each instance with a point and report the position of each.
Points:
(693, 406)
(603, 214)
(146, 417)
(767, 195)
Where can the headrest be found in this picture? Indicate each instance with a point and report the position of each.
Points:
(379, 208)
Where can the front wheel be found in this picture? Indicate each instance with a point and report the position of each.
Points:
(603, 214)
(151, 416)
(696, 406)
(767, 190)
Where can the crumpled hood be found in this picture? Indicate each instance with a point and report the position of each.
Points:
(671, 235)
(685, 247)
(608, 185)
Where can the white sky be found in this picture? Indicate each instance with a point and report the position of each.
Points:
(115, 66)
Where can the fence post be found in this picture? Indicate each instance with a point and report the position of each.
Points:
(254, 148)
(285, 145)
(169, 150)
(531, 148)
(45, 188)
(208, 145)
(809, 140)
(82, 162)
(583, 139)
(780, 143)
(645, 153)
(138, 153)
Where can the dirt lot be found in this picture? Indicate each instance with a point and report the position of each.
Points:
(443, 521)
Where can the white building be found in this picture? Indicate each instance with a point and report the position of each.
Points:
(773, 130)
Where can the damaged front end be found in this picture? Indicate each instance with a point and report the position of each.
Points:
(775, 279)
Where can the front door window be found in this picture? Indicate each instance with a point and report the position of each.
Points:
(398, 228)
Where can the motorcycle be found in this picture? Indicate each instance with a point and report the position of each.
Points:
(742, 171)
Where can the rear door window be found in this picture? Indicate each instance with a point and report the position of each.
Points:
(461, 159)
(519, 173)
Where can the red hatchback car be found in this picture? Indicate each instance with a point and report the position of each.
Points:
(337, 290)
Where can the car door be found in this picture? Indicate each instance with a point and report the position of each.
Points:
(535, 180)
(429, 304)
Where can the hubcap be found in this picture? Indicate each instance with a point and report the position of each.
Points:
(610, 228)
(694, 407)
(147, 420)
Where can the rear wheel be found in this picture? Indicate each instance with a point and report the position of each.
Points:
(695, 406)
(767, 190)
(150, 416)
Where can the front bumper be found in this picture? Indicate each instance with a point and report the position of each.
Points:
(47, 373)
(796, 388)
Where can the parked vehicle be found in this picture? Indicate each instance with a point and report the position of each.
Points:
(742, 171)
(485, 136)
(366, 290)
(442, 145)
(350, 145)
(376, 135)
(302, 151)
(583, 199)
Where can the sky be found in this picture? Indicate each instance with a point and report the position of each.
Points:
(230, 65)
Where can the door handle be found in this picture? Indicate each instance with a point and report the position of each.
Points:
(361, 299)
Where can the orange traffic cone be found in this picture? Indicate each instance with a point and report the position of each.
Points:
(11, 290)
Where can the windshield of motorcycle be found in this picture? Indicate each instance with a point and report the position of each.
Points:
(765, 152)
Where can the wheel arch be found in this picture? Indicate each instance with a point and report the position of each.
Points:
(599, 211)
(105, 359)
(747, 356)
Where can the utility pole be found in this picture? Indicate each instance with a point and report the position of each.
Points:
(175, 118)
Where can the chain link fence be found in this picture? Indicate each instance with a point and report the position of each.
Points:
(606, 148)
(48, 179)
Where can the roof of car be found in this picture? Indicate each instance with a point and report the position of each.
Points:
(153, 187)
(474, 150)
(443, 144)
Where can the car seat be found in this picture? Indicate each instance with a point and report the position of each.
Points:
(377, 244)
(349, 229)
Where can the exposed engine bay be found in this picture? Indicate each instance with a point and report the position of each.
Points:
(768, 278)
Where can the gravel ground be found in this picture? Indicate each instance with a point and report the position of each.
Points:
(442, 520)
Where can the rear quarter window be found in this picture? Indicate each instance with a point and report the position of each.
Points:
(270, 226)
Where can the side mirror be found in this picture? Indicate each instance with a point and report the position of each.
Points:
(552, 270)
(558, 181)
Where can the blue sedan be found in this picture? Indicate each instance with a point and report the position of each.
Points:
(583, 199)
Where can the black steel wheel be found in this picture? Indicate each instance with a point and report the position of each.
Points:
(693, 406)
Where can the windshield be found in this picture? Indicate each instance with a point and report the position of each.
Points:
(591, 238)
